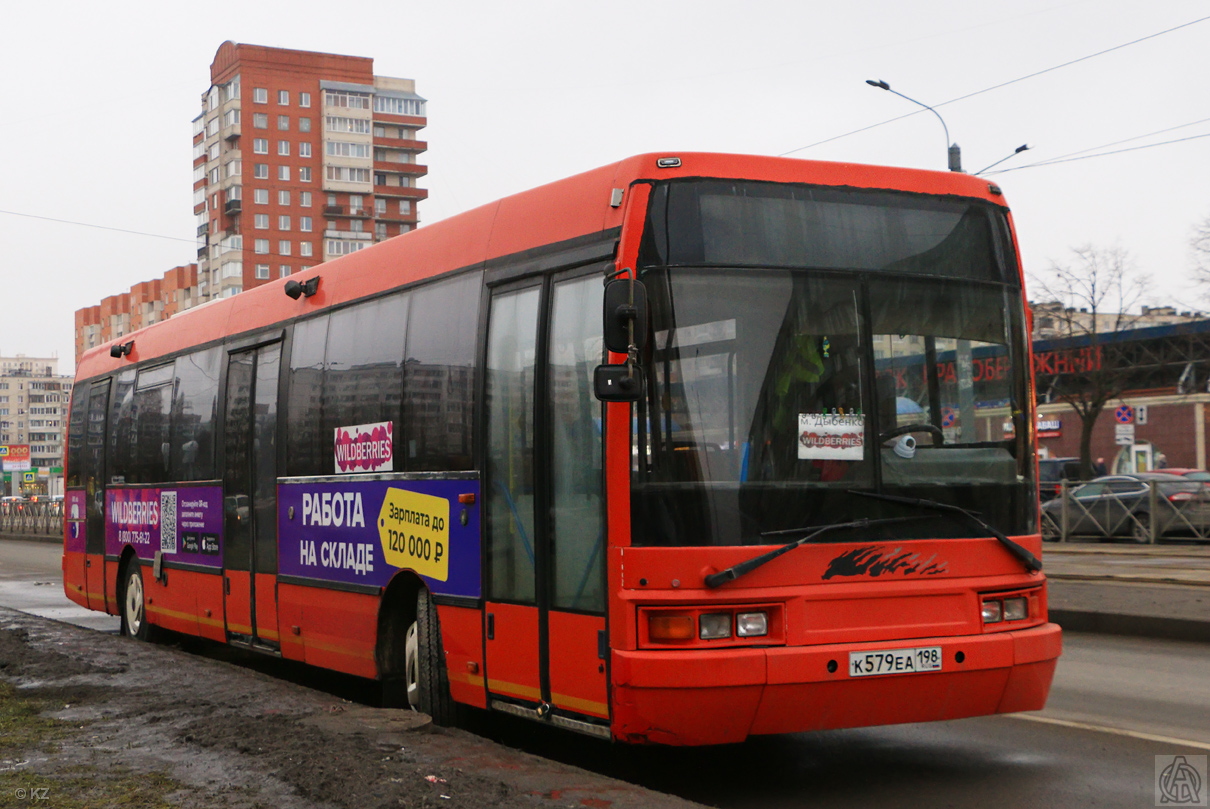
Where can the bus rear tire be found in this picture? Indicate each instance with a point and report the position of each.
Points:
(428, 685)
(134, 603)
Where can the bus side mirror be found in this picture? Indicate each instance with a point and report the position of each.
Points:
(617, 383)
(622, 311)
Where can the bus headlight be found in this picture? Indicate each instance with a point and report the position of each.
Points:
(1016, 609)
(993, 611)
(715, 625)
(751, 624)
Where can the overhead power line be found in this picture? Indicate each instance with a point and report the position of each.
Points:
(1003, 84)
(98, 227)
(141, 233)
(1126, 140)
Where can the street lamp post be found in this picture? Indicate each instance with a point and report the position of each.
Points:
(1024, 147)
(953, 151)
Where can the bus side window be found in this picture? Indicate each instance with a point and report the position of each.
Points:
(362, 378)
(77, 475)
(121, 422)
(150, 428)
(439, 376)
(304, 454)
(194, 409)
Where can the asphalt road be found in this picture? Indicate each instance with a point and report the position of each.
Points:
(31, 580)
(1117, 703)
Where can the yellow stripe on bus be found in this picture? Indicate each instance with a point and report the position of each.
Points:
(513, 689)
(466, 677)
(340, 650)
(581, 705)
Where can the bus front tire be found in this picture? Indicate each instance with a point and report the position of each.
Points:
(134, 604)
(428, 685)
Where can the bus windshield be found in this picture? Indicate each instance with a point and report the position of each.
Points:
(775, 392)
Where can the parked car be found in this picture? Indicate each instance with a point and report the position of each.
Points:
(1121, 506)
(1200, 475)
(1051, 471)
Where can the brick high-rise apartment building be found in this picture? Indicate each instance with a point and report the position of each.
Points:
(299, 157)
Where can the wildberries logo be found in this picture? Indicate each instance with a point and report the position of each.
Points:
(823, 440)
(831, 436)
(365, 448)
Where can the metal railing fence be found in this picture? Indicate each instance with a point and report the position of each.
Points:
(41, 518)
(1144, 513)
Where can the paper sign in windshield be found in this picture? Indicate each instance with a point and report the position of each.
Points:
(826, 436)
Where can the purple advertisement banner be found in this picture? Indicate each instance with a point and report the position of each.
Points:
(185, 522)
(75, 504)
(364, 531)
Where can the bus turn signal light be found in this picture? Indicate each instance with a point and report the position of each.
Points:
(670, 627)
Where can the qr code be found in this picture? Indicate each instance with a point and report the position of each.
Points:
(168, 522)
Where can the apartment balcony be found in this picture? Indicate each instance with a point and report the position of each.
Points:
(406, 144)
(410, 169)
(204, 229)
(393, 217)
(418, 121)
(400, 191)
(354, 235)
(233, 207)
(344, 210)
(232, 132)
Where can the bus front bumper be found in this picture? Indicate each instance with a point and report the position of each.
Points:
(725, 695)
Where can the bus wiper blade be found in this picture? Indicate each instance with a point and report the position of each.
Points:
(1032, 563)
(735, 571)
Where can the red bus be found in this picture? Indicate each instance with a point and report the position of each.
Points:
(681, 450)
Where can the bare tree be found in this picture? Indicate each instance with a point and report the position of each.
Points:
(1094, 292)
(1199, 253)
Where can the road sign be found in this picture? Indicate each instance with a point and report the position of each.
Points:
(1123, 434)
(1124, 414)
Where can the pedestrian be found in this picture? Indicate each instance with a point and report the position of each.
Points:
(1098, 468)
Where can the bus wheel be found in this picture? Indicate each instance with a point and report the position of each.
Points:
(427, 680)
(412, 667)
(134, 604)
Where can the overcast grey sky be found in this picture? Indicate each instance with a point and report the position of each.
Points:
(98, 99)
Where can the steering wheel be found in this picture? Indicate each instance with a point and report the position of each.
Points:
(914, 428)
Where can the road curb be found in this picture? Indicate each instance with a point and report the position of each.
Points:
(1139, 626)
(32, 538)
(1119, 578)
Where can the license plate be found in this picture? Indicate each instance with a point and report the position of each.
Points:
(895, 661)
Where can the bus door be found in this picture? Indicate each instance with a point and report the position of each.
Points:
(545, 609)
(94, 479)
(250, 496)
